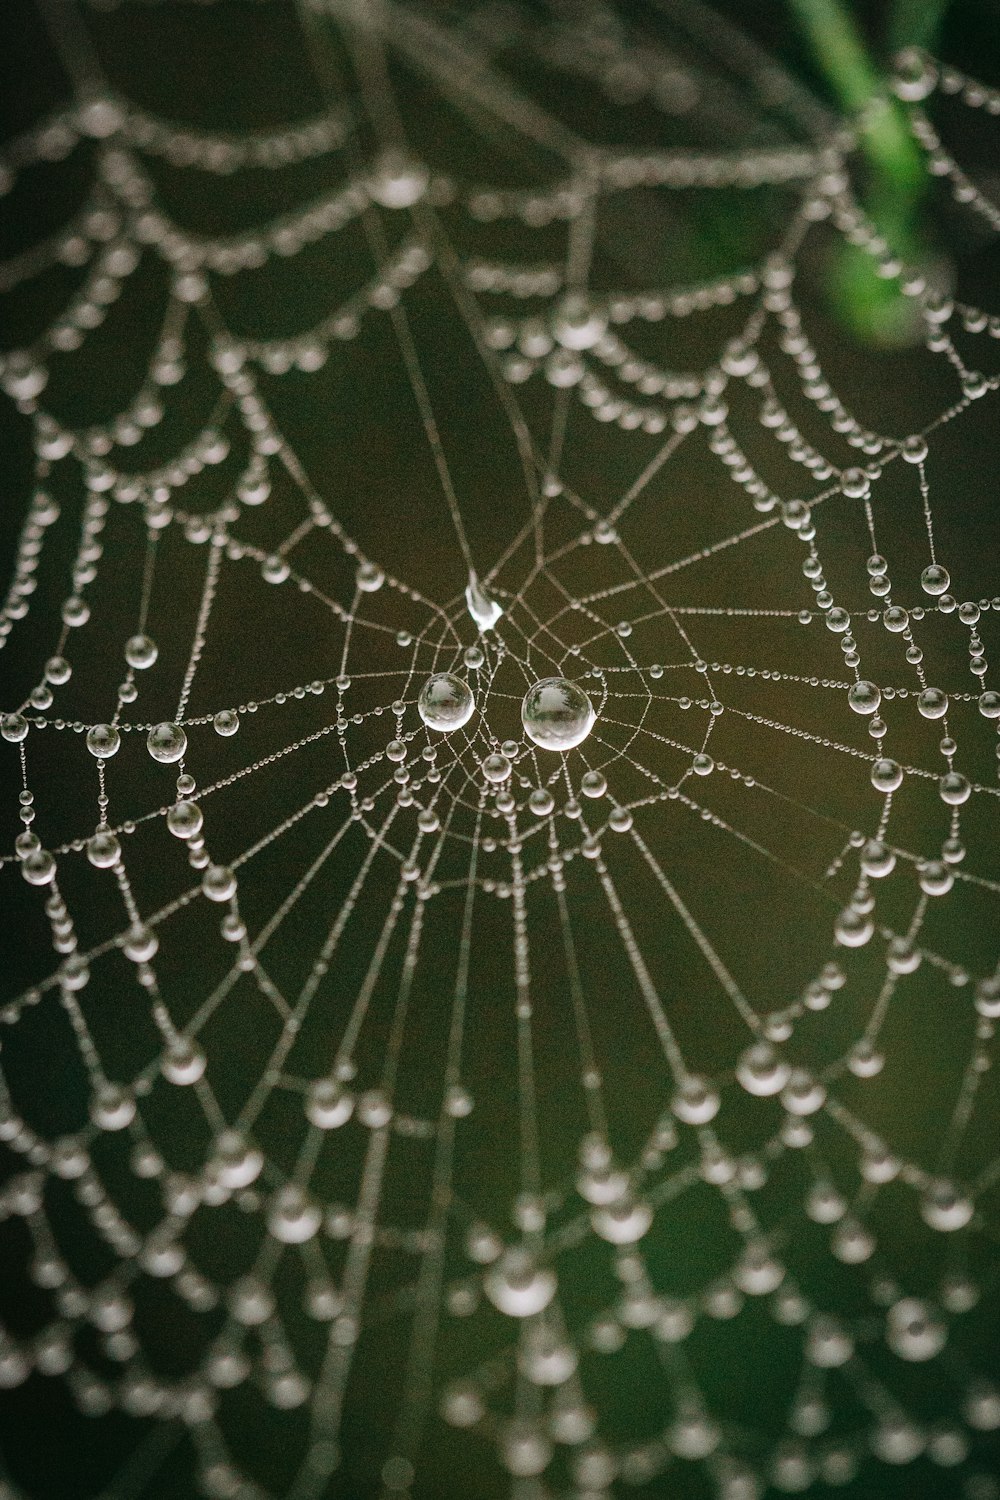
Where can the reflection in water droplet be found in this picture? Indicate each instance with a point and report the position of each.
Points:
(557, 714)
(445, 702)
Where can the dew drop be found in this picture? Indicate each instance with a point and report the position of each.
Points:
(328, 1104)
(141, 652)
(886, 775)
(933, 703)
(557, 714)
(577, 324)
(481, 605)
(398, 181)
(293, 1218)
(518, 1287)
(864, 698)
(103, 850)
(622, 1223)
(696, 1102)
(935, 579)
(183, 1062)
(13, 728)
(445, 702)
(166, 742)
(914, 1331)
(761, 1071)
(185, 820)
(496, 769)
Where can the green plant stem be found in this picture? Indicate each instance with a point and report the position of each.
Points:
(841, 53)
(897, 175)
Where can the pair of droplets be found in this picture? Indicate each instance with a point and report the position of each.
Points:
(556, 713)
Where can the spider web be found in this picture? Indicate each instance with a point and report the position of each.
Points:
(385, 1104)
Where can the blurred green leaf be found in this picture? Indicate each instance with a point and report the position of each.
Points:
(893, 196)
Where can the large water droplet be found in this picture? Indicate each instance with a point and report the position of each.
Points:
(556, 714)
(624, 1222)
(577, 324)
(518, 1286)
(945, 1207)
(103, 741)
(864, 698)
(398, 180)
(761, 1071)
(914, 1331)
(483, 608)
(445, 702)
(166, 742)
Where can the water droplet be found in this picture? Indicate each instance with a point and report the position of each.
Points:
(328, 1104)
(864, 698)
(577, 324)
(496, 769)
(293, 1218)
(936, 879)
(141, 944)
(695, 1102)
(166, 742)
(853, 928)
(185, 820)
(183, 1062)
(886, 775)
(557, 714)
(238, 1162)
(218, 883)
(623, 1222)
(445, 702)
(398, 180)
(914, 1331)
(544, 1359)
(250, 1302)
(877, 860)
(945, 1207)
(519, 1287)
(374, 1109)
(761, 1071)
(39, 867)
(803, 1094)
(112, 1108)
(481, 605)
(226, 722)
(935, 579)
(103, 850)
(13, 728)
(933, 703)
(758, 1272)
(103, 741)
(141, 652)
(954, 789)
(524, 1449)
(855, 483)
